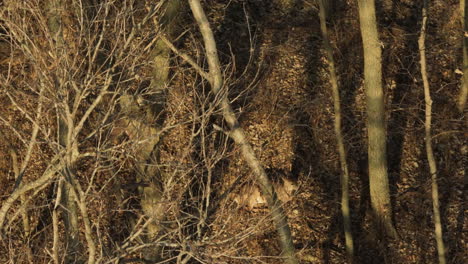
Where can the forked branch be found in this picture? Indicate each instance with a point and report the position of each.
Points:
(238, 134)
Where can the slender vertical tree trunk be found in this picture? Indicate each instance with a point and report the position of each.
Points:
(55, 11)
(464, 86)
(339, 137)
(428, 138)
(377, 152)
(215, 78)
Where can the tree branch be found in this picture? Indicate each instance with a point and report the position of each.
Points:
(238, 135)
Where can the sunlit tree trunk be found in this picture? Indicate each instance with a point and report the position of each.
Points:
(377, 152)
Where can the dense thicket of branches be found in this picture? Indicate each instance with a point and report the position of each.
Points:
(214, 131)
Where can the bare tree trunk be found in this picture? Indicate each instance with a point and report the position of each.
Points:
(238, 135)
(428, 138)
(55, 11)
(464, 86)
(339, 137)
(377, 152)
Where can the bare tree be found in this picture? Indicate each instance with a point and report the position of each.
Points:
(428, 137)
(339, 137)
(377, 151)
(55, 13)
(215, 78)
(68, 61)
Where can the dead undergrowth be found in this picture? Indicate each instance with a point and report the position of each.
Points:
(278, 83)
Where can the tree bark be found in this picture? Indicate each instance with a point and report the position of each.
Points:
(428, 138)
(464, 86)
(377, 152)
(339, 137)
(238, 135)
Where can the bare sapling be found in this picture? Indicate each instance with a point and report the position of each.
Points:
(428, 138)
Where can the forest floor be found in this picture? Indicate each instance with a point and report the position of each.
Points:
(279, 86)
(288, 116)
